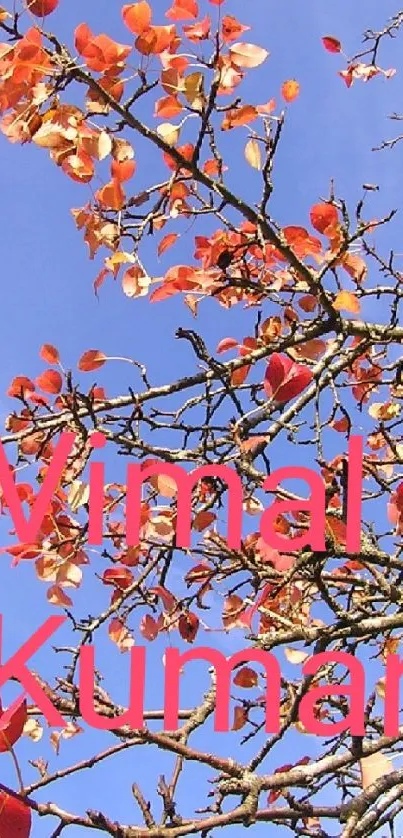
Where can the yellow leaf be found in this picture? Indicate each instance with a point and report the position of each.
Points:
(78, 495)
(346, 301)
(295, 655)
(374, 767)
(194, 90)
(253, 155)
(247, 55)
(384, 412)
(170, 133)
(104, 145)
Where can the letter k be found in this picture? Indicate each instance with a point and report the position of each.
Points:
(16, 668)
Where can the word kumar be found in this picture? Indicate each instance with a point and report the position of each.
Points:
(354, 721)
(137, 473)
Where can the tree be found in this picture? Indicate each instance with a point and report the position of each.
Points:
(320, 366)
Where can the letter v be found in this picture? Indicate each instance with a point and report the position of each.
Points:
(27, 531)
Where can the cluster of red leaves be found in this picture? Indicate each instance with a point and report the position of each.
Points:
(355, 71)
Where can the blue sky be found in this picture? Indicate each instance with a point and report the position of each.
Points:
(47, 293)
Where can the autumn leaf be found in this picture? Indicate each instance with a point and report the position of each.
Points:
(41, 8)
(122, 170)
(331, 44)
(15, 816)
(240, 718)
(323, 217)
(120, 577)
(246, 678)
(346, 301)
(12, 726)
(167, 242)
(183, 10)
(149, 627)
(50, 381)
(169, 133)
(295, 656)
(236, 117)
(120, 634)
(247, 55)
(135, 283)
(285, 379)
(188, 626)
(373, 768)
(137, 16)
(91, 360)
(49, 354)
(253, 155)
(290, 90)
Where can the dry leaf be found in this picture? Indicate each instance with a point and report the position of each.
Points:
(253, 155)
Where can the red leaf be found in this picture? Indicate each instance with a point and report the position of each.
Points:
(240, 718)
(41, 8)
(11, 730)
(331, 44)
(91, 360)
(49, 354)
(50, 381)
(202, 520)
(149, 627)
(246, 678)
(226, 344)
(120, 577)
(15, 817)
(285, 379)
(21, 386)
(324, 216)
(188, 626)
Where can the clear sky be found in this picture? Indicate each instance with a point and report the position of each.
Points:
(47, 293)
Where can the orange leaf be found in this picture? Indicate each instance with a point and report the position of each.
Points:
(49, 354)
(323, 216)
(135, 283)
(167, 242)
(240, 718)
(290, 90)
(21, 386)
(155, 39)
(50, 381)
(111, 196)
(137, 16)
(167, 107)
(183, 10)
(239, 116)
(122, 170)
(232, 28)
(91, 360)
(346, 301)
(120, 635)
